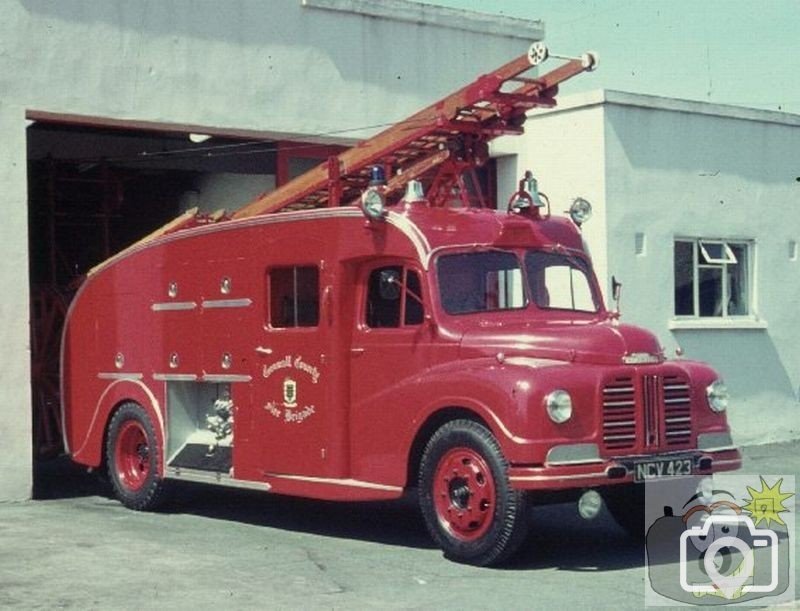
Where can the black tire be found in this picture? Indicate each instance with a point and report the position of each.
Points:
(467, 501)
(625, 503)
(133, 458)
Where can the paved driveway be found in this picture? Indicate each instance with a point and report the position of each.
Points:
(214, 548)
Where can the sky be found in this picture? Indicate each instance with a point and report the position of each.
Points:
(744, 53)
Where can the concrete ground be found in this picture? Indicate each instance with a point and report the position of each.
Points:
(214, 548)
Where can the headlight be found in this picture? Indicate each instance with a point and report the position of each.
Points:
(717, 394)
(559, 406)
(373, 204)
(580, 211)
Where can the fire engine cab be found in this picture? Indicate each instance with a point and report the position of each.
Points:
(376, 325)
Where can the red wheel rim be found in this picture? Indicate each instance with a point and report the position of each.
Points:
(132, 455)
(464, 494)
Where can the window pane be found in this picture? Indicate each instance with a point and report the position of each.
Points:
(716, 252)
(294, 297)
(738, 287)
(684, 278)
(414, 310)
(710, 290)
(281, 297)
(307, 307)
(383, 297)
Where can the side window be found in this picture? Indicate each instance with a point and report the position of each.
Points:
(394, 298)
(293, 297)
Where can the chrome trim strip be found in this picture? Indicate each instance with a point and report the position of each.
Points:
(227, 303)
(350, 483)
(619, 437)
(114, 375)
(413, 233)
(173, 306)
(225, 377)
(559, 463)
(212, 477)
(546, 478)
(688, 452)
(175, 377)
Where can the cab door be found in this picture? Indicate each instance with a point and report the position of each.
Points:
(391, 343)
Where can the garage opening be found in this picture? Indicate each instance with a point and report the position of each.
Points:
(96, 187)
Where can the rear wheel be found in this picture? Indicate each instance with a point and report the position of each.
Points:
(133, 457)
(469, 506)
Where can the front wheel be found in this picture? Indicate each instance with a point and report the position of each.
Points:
(469, 506)
(132, 455)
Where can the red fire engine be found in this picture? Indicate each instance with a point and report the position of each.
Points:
(375, 326)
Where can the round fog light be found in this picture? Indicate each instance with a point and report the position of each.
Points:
(589, 504)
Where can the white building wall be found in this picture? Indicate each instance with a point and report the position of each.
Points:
(284, 68)
(278, 66)
(676, 169)
(15, 382)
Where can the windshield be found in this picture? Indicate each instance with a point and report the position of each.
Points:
(494, 280)
(480, 282)
(561, 282)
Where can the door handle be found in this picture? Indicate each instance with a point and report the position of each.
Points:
(357, 351)
(263, 350)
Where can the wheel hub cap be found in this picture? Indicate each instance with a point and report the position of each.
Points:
(464, 493)
(132, 455)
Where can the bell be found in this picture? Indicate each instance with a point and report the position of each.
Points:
(414, 192)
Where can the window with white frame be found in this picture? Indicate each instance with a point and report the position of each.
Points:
(713, 278)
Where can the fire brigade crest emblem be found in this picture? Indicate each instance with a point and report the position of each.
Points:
(289, 393)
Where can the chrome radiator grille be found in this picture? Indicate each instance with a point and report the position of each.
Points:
(619, 414)
(651, 411)
(677, 411)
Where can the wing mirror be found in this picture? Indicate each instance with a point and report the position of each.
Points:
(616, 293)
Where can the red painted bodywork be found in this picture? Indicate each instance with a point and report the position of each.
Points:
(341, 410)
(376, 388)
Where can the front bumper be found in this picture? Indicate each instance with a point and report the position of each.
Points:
(618, 470)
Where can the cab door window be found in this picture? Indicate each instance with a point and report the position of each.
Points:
(394, 298)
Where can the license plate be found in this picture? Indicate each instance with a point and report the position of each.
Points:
(657, 469)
